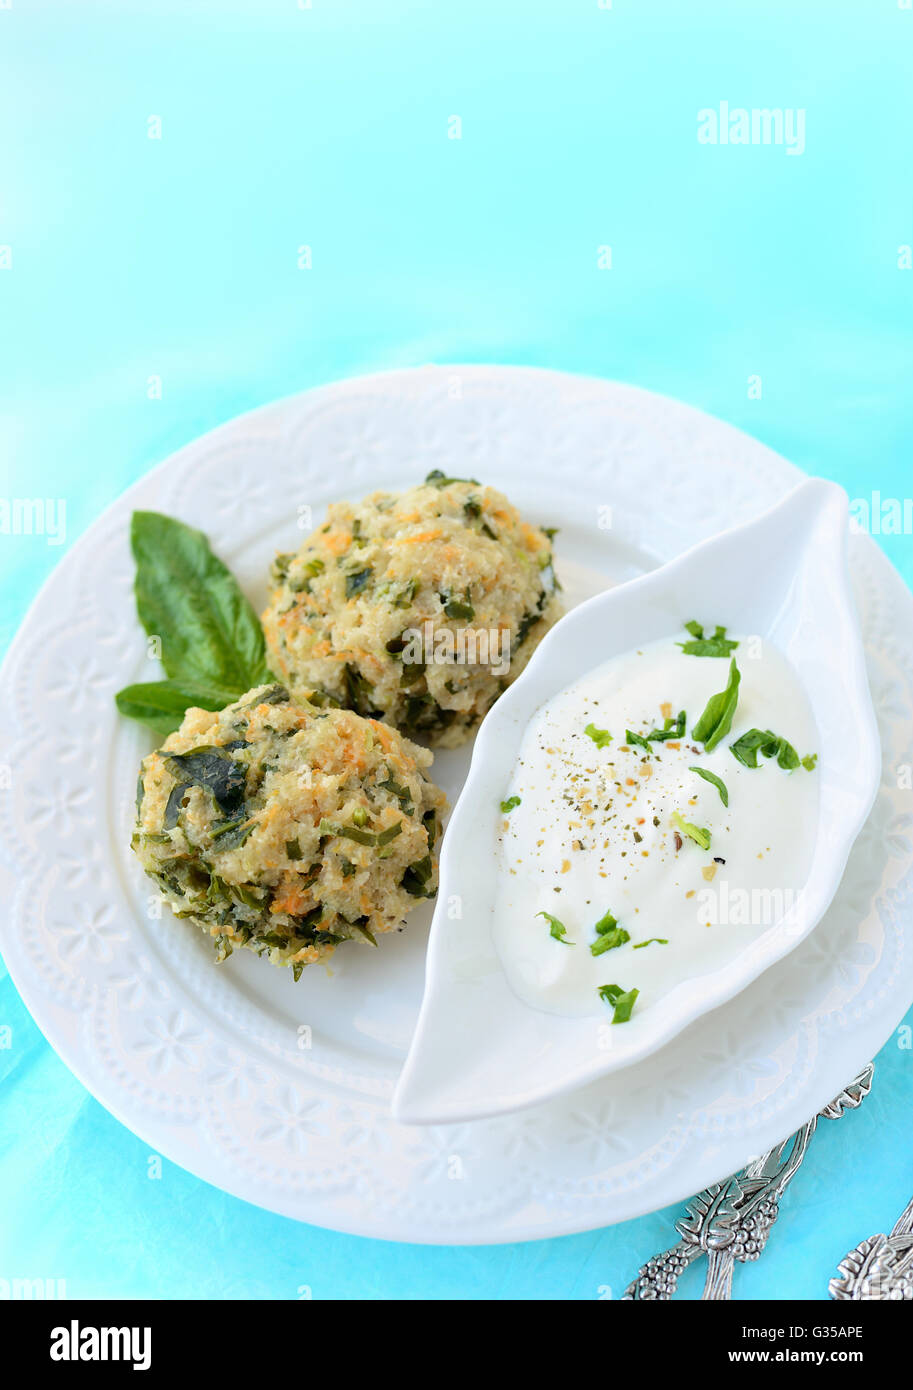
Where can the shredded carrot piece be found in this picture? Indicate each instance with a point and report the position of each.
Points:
(338, 542)
(291, 898)
(434, 534)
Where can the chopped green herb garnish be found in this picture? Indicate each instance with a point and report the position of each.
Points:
(637, 739)
(349, 832)
(527, 623)
(714, 781)
(232, 834)
(301, 583)
(429, 820)
(404, 593)
(508, 805)
(356, 582)
(557, 929)
(601, 737)
(358, 690)
(660, 941)
(223, 828)
(747, 748)
(292, 849)
(608, 941)
(716, 721)
(415, 879)
(363, 932)
(787, 757)
(621, 1000)
(320, 698)
(672, 728)
(402, 793)
(458, 608)
(694, 832)
(608, 935)
(717, 645)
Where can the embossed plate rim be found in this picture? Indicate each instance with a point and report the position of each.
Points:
(374, 1193)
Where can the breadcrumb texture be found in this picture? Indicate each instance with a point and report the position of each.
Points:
(286, 828)
(449, 553)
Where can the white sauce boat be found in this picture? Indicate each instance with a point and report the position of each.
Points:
(478, 1050)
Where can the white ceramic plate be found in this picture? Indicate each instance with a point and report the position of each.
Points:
(478, 1048)
(279, 1092)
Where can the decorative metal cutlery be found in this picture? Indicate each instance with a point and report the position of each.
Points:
(731, 1221)
(880, 1267)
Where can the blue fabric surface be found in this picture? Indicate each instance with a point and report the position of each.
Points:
(284, 126)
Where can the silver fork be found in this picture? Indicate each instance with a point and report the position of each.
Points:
(731, 1221)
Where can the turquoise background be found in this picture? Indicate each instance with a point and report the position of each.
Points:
(284, 126)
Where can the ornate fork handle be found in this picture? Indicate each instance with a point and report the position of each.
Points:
(750, 1222)
(732, 1220)
(880, 1267)
(658, 1279)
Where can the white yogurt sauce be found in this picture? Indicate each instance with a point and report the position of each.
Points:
(594, 830)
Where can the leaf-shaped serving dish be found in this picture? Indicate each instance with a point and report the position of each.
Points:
(478, 1049)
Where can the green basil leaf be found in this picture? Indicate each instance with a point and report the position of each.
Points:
(215, 771)
(187, 598)
(755, 741)
(714, 781)
(716, 721)
(746, 748)
(161, 705)
(787, 757)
